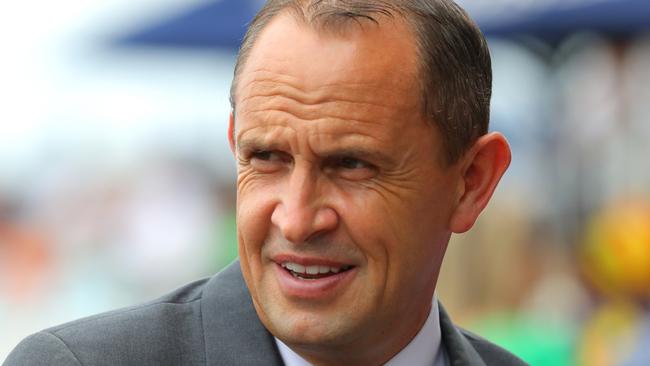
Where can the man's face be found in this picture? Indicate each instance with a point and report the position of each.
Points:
(343, 204)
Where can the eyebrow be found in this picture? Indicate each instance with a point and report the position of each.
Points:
(253, 144)
(369, 155)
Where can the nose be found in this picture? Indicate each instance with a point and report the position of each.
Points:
(302, 213)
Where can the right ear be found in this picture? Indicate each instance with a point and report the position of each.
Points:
(231, 132)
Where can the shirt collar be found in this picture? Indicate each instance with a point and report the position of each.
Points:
(424, 348)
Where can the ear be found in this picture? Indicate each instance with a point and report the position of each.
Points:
(483, 167)
(231, 132)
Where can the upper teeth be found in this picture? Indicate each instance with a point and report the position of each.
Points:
(312, 270)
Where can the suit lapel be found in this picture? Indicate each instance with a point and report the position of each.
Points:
(233, 333)
(459, 351)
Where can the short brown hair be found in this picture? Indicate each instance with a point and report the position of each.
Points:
(455, 65)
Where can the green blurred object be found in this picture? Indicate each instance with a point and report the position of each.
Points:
(536, 343)
(224, 243)
(229, 239)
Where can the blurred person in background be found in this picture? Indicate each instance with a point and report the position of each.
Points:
(360, 131)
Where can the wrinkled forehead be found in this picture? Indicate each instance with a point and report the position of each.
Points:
(377, 55)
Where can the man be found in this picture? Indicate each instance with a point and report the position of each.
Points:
(360, 134)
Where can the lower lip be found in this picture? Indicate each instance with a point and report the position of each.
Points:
(312, 289)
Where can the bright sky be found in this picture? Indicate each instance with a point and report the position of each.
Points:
(63, 88)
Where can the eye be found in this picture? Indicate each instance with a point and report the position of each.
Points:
(268, 161)
(263, 155)
(352, 168)
(352, 163)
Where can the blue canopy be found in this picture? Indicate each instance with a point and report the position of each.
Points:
(618, 18)
(221, 24)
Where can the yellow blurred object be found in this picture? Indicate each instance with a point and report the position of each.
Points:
(615, 255)
(610, 335)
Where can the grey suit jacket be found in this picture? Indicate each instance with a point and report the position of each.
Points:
(208, 322)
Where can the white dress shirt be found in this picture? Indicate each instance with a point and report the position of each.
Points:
(423, 350)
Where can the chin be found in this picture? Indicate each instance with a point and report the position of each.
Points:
(306, 328)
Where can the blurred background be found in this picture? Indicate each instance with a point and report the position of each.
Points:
(117, 184)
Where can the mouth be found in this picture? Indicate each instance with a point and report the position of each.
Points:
(313, 279)
(313, 272)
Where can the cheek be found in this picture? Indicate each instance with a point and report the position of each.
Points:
(383, 222)
(254, 208)
(369, 220)
(402, 236)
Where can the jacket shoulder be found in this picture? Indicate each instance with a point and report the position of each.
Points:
(490, 352)
(42, 348)
(137, 335)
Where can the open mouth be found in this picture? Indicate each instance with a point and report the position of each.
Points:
(313, 272)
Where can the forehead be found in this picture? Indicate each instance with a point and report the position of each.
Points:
(372, 62)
